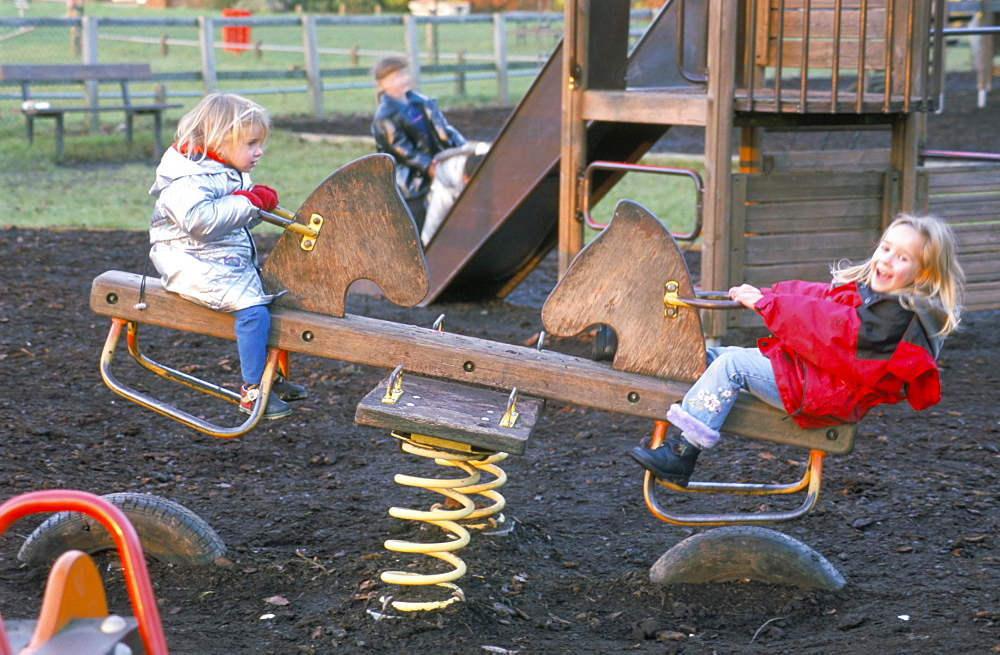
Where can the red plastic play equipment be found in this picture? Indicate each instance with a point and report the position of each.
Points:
(235, 38)
(74, 590)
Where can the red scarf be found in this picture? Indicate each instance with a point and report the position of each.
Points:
(187, 149)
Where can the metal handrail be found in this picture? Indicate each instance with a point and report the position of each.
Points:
(954, 154)
(679, 52)
(644, 168)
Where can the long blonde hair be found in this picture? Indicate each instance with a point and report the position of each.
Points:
(941, 279)
(218, 122)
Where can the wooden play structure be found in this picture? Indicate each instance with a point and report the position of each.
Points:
(787, 85)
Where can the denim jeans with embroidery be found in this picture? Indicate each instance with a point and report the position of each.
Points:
(730, 368)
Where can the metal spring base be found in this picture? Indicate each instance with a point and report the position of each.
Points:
(456, 491)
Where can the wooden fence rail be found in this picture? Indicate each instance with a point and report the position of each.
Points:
(429, 63)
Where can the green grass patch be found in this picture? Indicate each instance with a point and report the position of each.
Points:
(101, 183)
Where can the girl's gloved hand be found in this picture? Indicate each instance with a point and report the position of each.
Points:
(260, 196)
(267, 195)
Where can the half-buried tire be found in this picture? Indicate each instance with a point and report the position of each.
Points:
(168, 531)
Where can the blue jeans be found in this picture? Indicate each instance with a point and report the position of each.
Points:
(252, 327)
(730, 369)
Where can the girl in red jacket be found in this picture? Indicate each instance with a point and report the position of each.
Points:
(837, 350)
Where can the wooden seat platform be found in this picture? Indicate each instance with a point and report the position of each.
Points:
(452, 412)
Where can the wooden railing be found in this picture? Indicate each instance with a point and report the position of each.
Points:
(839, 56)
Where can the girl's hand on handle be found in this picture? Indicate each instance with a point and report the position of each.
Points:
(746, 295)
(267, 195)
(260, 196)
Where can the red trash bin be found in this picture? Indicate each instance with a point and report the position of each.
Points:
(235, 38)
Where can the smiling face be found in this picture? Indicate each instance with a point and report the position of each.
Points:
(896, 262)
(244, 154)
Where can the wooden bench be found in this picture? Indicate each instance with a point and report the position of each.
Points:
(50, 74)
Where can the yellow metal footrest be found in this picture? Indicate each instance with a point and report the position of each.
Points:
(160, 407)
(811, 482)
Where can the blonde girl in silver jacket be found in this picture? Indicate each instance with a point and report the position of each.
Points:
(200, 229)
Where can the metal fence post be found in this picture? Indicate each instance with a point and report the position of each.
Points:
(311, 53)
(88, 48)
(206, 40)
(500, 58)
(412, 44)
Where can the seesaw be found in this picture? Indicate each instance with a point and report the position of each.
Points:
(468, 402)
(74, 615)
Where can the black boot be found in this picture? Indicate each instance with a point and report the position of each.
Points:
(673, 461)
(605, 344)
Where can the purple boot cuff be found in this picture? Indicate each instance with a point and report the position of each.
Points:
(697, 433)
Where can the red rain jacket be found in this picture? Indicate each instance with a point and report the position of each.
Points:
(837, 351)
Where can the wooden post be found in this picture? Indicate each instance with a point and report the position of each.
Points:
(432, 43)
(206, 41)
(574, 132)
(460, 73)
(164, 46)
(500, 58)
(88, 46)
(412, 45)
(984, 54)
(721, 57)
(314, 79)
(353, 56)
(750, 155)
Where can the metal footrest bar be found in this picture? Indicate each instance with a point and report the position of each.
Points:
(110, 347)
(811, 481)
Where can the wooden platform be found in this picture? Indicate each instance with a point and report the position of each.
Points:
(453, 412)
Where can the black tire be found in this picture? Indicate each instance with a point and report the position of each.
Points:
(168, 531)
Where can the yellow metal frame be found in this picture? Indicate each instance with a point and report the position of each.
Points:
(160, 407)
(811, 481)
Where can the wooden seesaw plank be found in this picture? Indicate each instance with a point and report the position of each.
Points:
(384, 344)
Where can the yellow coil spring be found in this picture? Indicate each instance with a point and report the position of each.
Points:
(457, 490)
(490, 513)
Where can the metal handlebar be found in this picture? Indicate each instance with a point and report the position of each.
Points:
(288, 220)
(702, 299)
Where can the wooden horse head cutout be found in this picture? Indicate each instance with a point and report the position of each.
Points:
(619, 280)
(367, 233)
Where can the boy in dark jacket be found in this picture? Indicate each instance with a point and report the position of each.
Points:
(410, 127)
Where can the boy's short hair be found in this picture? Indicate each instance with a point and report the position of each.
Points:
(389, 65)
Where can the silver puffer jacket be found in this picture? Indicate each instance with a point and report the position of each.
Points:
(200, 234)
